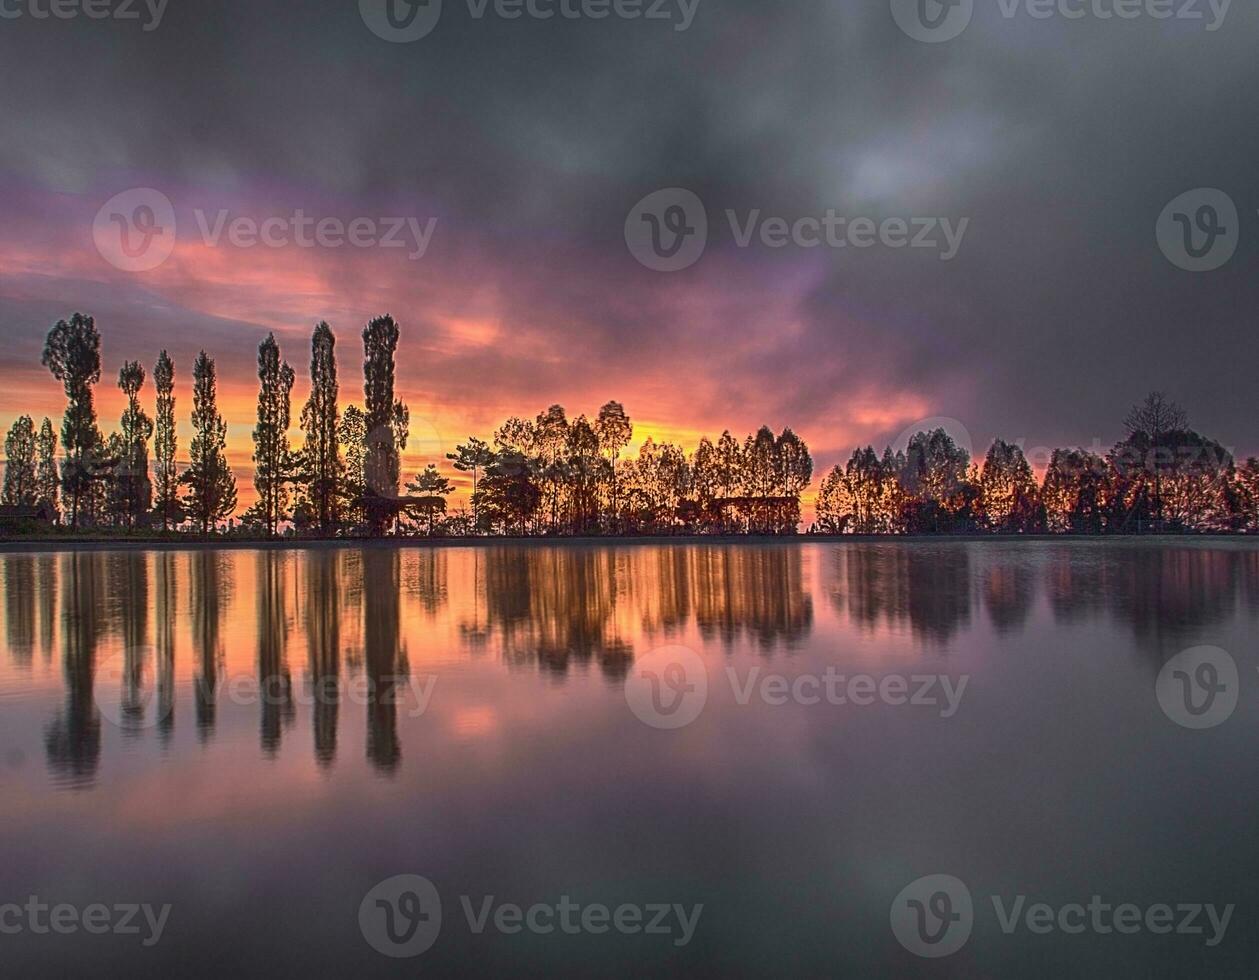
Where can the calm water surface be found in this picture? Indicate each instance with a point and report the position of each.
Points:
(258, 738)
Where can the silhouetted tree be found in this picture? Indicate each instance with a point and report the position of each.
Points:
(614, 430)
(20, 487)
(353, 435)
(165, 470)
(1075, 492)
(472, 457)
(273, 459)
(72, 352)
(432, 489)
(134, 491)
(321, 454)
(1150, 426)
(47, 482)
(1007, 489)
(386, 420)
(211, 486)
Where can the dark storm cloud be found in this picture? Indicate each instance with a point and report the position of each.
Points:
(1060, 140)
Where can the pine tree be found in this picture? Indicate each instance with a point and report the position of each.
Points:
(211, 486)
(72, 353)
(321, 454)
(273, 459)
(165, 472)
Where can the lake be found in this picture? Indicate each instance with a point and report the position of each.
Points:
(906, 758)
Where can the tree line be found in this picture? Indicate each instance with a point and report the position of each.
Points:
(1161, 477)
(552, 475)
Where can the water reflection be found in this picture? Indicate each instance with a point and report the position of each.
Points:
(19, 602)
(211, 592)
(384, 656)
(73, 738)
(192, 621)
(322, 619)
(926, 587)
(275, 683)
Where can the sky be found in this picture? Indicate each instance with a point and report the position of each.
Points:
(520, 151)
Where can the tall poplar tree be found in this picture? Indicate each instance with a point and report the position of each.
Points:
(72, 352)
(386, 420)
(133, 487)
(166, 475)
(47, 482)
(211, 486)
(321, 453)
(273, 459)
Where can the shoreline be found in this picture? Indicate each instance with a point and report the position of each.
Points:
(56, 544)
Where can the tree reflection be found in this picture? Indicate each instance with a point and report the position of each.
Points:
(165, 607)
(1009, 590)
(129, 581)
(323, 639)
(73, 739)
(385, 660)
(19, 607)
(275, 682)
(926, 587)
(1167, 594)
(211, 589)
(47, 565)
